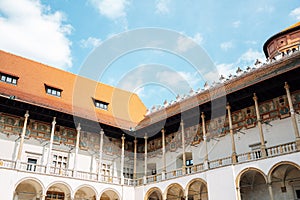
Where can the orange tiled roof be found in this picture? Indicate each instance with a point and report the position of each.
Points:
(125, 109)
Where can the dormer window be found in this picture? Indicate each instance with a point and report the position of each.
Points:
(53, 91)
(101, 104)
(8, 78)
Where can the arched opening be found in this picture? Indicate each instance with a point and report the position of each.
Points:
(197, 189)
(153, 194)
(109, 195)
(253, 185)
(28, 189)
(58, 191)
(285, 181)
(175, 192)
(85, 193)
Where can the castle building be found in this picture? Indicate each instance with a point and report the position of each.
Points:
(64, 136)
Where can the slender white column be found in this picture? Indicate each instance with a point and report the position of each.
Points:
(183, 147)
(122, 158)
(51, 144)
(163, 175)
(100, 154)
(270, 191)
(77, 147)
(293, 117)
(233, 149)
(22, 136)
(145, 159)
(135, 158)
(261, 134)
(204, 141)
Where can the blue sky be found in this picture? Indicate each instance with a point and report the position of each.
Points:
(63, 33)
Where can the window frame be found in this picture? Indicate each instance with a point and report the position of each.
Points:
(53, 91)
(101, 104)
(8, 78)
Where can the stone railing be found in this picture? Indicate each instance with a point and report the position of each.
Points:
(241, 158)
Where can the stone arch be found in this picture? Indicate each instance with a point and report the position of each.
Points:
(28, 188)
(174, 191)
(251, 184)
(152, 193)
(196, 189)
(284, 180)
(110, 194)
(59, 190)
(85, 192)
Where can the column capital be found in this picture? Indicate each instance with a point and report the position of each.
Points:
(202, 115)
(101, 131)
(255, 97)
(145, 137)
(286, 86)
(54, 121)
(228, 107)
(123, 137)
(26, 114)
(163, 130)
(181, 122)
(135, 140)
(78, 127)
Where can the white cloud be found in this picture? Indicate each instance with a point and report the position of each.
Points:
(250, 56)
(111, 9)
(265, 9)
(185, 43)
(30, 29)
(91, 42)
(179, 80)
(162, 6)
(295, 13)
(198, 38)
(226, 45)
(236, 24)
(246, 59)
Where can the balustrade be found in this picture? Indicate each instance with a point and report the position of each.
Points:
(245, 157)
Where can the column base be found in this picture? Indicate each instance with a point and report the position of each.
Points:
(183, 170)
(163, 175)
(206, 164)
(298, 143)
(234, 158)
(145, 180)
(263, 151)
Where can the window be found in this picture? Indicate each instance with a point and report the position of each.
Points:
(31, 164)
(8, 78)
(101, 104)
(55, 195)
(59, 162)
(189, 162)
(53, 91)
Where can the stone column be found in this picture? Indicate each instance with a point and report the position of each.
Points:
(51, 145)
(204, 141)
(122, 158)
(135, 158)
(145, 159)
(233, 149)
(163, 174)
(76, 148)
(100, 155)
(261, 134)
(22, 136)
(270, 191)
(183, 148)
(293, 117)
